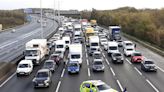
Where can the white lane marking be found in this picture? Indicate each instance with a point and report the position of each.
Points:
(119, 84)
(107, 61)
(112, 71)
(87, 62)
(63, 73)
(103, 54)
(7, 79)
(128, 61)
(160, 68)
(152, 85)
(137, 70)
(58, 86)
(86, 55)
(85, 50)
(8, 44)
(89, 74)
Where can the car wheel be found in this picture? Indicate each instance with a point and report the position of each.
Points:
(18, 75)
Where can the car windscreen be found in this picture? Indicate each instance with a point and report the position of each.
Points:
(94, 44)
(42, 74)
(137, 54)
(129, 44)
(46, 64)
(113, 48)
(93, 49)
(103, 87)
(59, 46)
(98, 63)
(66, 42)
(23, 65)
(149, 62)
(58, 52)
(75, 56)
(73, 65)
(129, 49)
(117, 54)
(103, 40)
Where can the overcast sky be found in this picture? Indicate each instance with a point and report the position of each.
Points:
(81, 4)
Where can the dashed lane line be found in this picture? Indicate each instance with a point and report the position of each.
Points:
(58, 86)
(138, 71)
(89, 74)
(112, 71)
(107, 61)
(128, 61)
(119, 84)
(156, 90)
(62, 73)
(87, 62)
(160, 68)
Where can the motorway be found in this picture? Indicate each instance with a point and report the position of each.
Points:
(118, 76)
(13, 44)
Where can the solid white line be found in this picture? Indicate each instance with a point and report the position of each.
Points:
(160, 68)
(89, 74)
(63, 73)
(128, 61)
(7, 80)
(103, 54)
(137, 70)
(87, 62)
(112, 71)
(119, 84)
(152, 85)
(58, 86)
(107, 61)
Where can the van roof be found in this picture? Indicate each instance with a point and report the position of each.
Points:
(114, 27)
(112, 43)
(127, 42)
(25, 61)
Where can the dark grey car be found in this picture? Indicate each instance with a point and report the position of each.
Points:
(50, 64)
(117, 58)
(148, 65)
(43, 78)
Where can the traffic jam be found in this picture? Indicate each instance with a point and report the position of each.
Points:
(74, 40)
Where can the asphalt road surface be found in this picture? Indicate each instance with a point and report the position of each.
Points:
(118, 76)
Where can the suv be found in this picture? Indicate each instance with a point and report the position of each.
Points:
(148, 65)
(43, 78)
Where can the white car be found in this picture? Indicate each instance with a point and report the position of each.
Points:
(57, 36)
(25, 67)
(128, 51)
(103, 41)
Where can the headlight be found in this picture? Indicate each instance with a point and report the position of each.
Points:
(46, 81)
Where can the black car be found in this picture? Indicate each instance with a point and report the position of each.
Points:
(98, 66)
(117, 57)
(148, 65)
(43, 78)
(50, 64)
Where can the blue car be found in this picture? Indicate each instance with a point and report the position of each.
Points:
(73, 67)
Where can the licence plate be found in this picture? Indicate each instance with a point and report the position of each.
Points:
(40, 84)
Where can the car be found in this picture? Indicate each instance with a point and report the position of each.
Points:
(76, 41)
(56, 58)
(148, 65)
(43, 78)
(137, 57)
(57, 36)
(97, 55)
(95, 86)
(92, 50)
(73, 67)
(97, 65)
(128, 44)
(61, 54)
(128, 51)
(119, 43)
(117, 57)
(25, 67)
(50, 64)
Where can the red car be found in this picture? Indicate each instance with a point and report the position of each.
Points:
(56, 58)
(137, 57)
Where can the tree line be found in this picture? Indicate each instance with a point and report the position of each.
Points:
(11, 18)
(145, 24)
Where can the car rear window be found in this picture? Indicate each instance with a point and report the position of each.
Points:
(137, 54)
(113, 48)
(42, 74)
(23, 65)
(149, 62)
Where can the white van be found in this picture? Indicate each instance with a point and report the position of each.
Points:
(25, 67)
(112, 47)
(75, 53)
(94, 42)
(67, 41)
(60, 45)
(128, 44)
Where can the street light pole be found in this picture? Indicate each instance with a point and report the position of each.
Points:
(41, 19)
